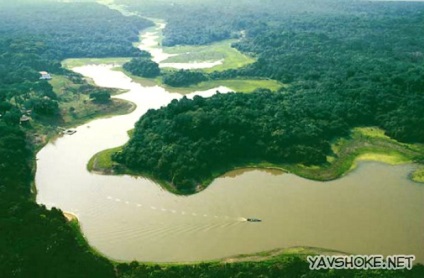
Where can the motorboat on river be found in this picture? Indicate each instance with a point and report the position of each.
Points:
(253, 220)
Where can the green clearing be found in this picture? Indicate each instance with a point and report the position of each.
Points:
(364, 143)
(61, 84)
(77, 107)
(231, 57)
(418, 175)
(240, 85)
(102, 162)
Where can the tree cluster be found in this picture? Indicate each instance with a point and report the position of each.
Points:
(143, 67)
(100, 96)
(183, 78)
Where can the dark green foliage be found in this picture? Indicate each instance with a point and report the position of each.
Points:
(183, 78)
(72, 30)
(45, 106)
(377, 50)
(100, 96)
(36, 242)
(15, 173)
(143, 67)
(189, 140)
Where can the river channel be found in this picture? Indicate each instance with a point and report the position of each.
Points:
(374, 209)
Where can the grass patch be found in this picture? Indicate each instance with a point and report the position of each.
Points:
(393, 158)
(365, 143)
(86, 110)
(76, 107)
(102, 161)
(241, 85)
(231, 57)
(418, 175)
(61, 84)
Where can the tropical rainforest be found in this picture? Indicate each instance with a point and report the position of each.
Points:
(367, 70)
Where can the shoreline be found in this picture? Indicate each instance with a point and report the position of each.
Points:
(207, 182)
(71, 217)
(350, 151)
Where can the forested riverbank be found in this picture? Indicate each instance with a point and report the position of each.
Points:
(338, 79)
(36, 242)
(34, 37)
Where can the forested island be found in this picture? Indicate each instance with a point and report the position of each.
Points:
(367, 71)
(339, 79)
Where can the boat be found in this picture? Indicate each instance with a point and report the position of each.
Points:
(69, 132)
(253, 220)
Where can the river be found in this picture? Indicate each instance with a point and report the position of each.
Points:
(375, 209)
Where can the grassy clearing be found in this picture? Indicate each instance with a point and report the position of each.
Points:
(102, 161)
(61, 84)
(240, 85)
(418, 175)
(237, 85)
(77, 108)
(232, 58)
(366, 143)
(86, 110)
(79, 62)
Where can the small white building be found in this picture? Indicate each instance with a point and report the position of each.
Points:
(45, 75)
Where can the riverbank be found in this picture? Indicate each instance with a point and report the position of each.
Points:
(237, 85)
(75, 109)
(70, 216)
(365, 143)
(128, 202)
(221, 52)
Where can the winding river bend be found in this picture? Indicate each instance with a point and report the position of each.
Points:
(372, 210)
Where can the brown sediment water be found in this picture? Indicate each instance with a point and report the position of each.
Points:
(375, 209)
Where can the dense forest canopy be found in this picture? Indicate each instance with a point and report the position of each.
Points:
(62, 28)
(348, 64)
(35, 36)
(34, 241)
